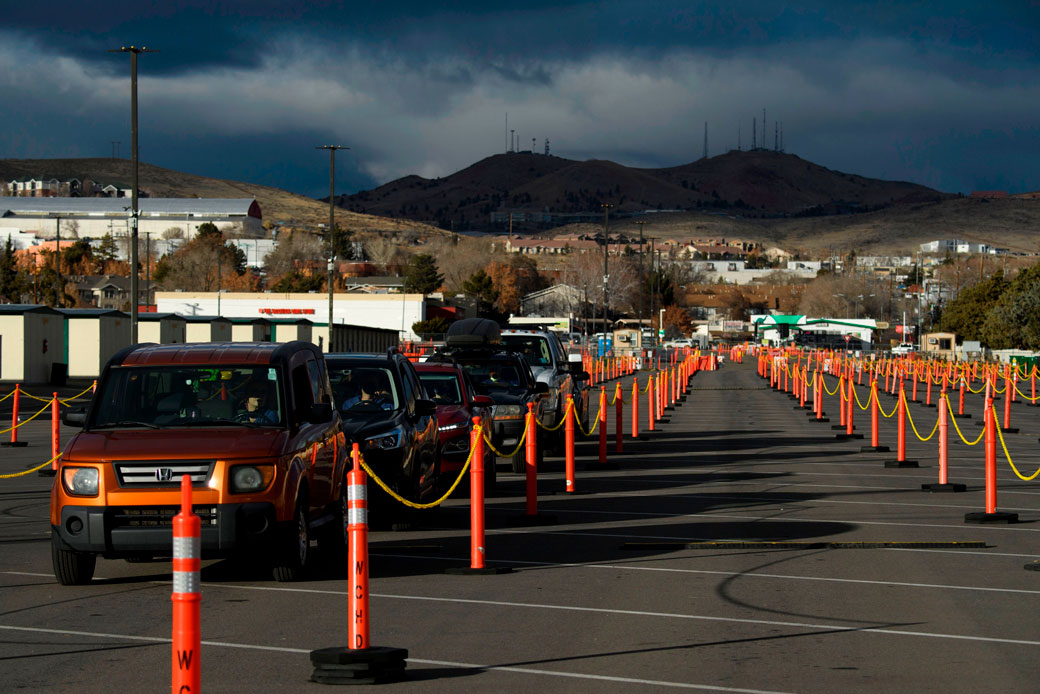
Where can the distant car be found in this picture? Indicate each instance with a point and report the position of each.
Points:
(904, 348)
(395, 426)
(457, 402)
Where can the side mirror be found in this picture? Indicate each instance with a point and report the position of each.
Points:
(425, 408)
(541, 387)
(483, 401)
(74, 416)
(319, 413)
(581, 376)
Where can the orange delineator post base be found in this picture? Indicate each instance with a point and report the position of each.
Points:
(186, 597)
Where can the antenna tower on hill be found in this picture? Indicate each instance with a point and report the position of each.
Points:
(754, 134)
(546, 146)
(705, 155)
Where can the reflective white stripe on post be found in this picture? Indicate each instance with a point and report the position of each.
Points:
(186, 582)
(187, 547)
(357, 492)
(357, 516)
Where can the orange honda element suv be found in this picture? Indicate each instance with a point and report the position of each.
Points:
(252, 424)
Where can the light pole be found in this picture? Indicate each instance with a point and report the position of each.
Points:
(639, 315)
(134, 210)
(332, 224)
(57, 262)
(606, 276)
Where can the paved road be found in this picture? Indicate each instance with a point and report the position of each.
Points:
(609, 598)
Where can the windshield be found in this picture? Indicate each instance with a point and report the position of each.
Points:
(443, 389)
(534, 348)
(363, 389)
(490, 375)
(170, 396)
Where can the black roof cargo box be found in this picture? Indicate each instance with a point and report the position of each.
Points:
(473, 332)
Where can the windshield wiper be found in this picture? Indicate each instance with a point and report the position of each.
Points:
(125, 423)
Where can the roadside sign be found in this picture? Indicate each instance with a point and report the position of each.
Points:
(848, 338)
(660, 333)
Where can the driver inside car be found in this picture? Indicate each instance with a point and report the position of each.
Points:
(257, 405)
(374, 393)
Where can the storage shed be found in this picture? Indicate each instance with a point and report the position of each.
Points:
(362, 338)
(163, 328)
(250, 330)
(207, 329)
(92, 335)
(31, 339)
(289, 330)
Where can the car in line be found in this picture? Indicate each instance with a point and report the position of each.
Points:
(550, 365)
(450, 388)
(251, 424)
(385, 409)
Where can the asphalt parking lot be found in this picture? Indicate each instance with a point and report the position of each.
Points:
(612, 597)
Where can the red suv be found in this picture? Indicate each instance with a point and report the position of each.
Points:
(252, 424)
(449, 386)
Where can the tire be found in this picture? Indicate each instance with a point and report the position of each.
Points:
(333, 537)
(295, 549)
(72, 568)
(519, 461)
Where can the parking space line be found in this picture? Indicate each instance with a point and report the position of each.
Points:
(418, 661)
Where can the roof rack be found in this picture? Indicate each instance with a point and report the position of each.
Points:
(473, 332)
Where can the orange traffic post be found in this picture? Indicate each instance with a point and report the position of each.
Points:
(928, 388)
(531, 466)
(14, 442)
(960, 401)
(359, 662)
(874, 433)
(568, 434)
(476, 496)
(187, 597)
(619, 426)
(991, 514)
(650, 408)
(943, 485)
(635, 407)
(602, 424)
(850, 407)
(1009, 396)
(55, 440)
(901, 460)
(916, 378)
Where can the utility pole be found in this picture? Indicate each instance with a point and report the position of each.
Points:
(639, 315)
(134, 209)
(606, 276)
(332, 225)
(148, 272)
(57, 262)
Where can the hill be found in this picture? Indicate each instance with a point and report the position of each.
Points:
(276, 205)
(757, 184)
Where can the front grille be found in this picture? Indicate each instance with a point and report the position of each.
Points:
(162, 473)
(156, 516)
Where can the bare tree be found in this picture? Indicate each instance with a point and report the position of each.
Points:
(290, 248)
(173, 233)
(381, 250)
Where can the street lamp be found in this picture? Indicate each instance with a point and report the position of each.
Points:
(134, 209)
(639, 315)
(332, 225)
(606, 276)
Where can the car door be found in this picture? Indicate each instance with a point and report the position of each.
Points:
(424, 427)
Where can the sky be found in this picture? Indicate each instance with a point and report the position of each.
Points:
(944, 94)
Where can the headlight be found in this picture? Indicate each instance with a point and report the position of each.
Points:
(250, 478)
(384, 442)
(453, 427)
(508, 410)
(80, 481)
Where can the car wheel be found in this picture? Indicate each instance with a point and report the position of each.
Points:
(519, 461)
(334, 536)
(72, 568)
(295, 550)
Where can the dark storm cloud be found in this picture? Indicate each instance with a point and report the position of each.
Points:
(940, 95)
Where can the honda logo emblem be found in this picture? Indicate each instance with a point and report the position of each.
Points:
(163, 474)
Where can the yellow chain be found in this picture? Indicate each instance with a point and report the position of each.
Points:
(412, 504)
(914, 426)
(1026, 397)
(7, 396)
(895, 408)
(823, 381)
(993, 413)
(77, 395)
(520, 445)
(855, 396)
(949, 409)
(26, 472)
(45, 408)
